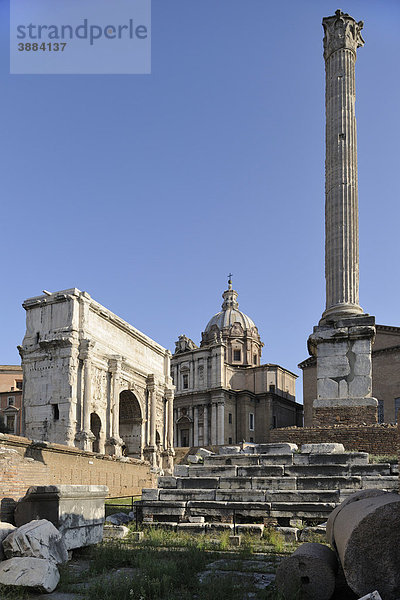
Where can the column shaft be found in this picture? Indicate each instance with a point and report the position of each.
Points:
(213, 424)
(221, 423)
(87, 395)
(196, 426)
(206, 441)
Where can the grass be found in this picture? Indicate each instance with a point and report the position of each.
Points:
(12, 593)
(166, 566)
(384, 458)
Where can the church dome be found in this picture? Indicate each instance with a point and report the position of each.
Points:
(230, 313)
(226, 318)
(235, 329)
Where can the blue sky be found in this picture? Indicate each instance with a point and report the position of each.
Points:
(146, 190)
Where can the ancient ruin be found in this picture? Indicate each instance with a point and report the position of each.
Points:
(262, 484)
(93, 381)
(343, 338)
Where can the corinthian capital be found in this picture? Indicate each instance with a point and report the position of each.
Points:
(341, 31)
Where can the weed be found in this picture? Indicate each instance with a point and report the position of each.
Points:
(12, 593)
(274, 538)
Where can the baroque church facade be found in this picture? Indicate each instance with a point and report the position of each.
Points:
(223, 394)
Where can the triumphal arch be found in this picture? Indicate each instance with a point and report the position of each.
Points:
(93, 381)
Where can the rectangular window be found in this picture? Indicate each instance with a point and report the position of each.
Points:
(251, 440)
(11, 401)
(230, 418)
(396, 409)
(237, 355)
(230, 441)
(18, 385)
(185, 382)
(10, 423)
(380, 412)
(56, 412)
(254, 359)
(272, 388)
(251, 421)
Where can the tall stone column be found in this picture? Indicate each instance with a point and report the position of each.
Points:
(169, 452)
(176, 442)
(115, 441)
(196, 426)
(206, 441)
(221, 423)
(213, 423)
(342, 342)
(86, 436)
(342, 38)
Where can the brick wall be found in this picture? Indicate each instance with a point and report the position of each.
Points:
(345, 415)
(24, 463)
(376, 439)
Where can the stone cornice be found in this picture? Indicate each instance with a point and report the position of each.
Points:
(104, 313)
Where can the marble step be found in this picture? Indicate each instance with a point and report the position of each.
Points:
(261, 471)
(312, 495)
(302, 510)
(347, 458)
(257, 483)
(246, 460)
(328, 483)
(318, 470)
(216, 471)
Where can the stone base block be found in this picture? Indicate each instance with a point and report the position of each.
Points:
(77, 511)
(235, 540)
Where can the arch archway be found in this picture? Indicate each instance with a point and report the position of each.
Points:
(95, 428)
(130, 423)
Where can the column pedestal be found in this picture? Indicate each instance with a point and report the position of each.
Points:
(344, 372)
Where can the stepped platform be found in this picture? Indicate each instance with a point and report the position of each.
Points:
(264, 484)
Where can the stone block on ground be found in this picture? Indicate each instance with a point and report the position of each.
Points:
(5, 530)
(181, 470)
(205, 483)
(192, 527)
(204, 452)
(37, 539)
(166, 482)
(150, 494)
(115, 532)
(310, 534)
(250, 528)
(289, 534)
(279, 448)
(364, 530)
(35, 573)
(194, 459)
(118, 518)
(235, 540)
(77, 511)
(308, 573)
(327, 448)
(372, 596)
(229, 449)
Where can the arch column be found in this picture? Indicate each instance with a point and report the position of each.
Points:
(115, 368)
(151, 449)
(169, 451)
(85, 436)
